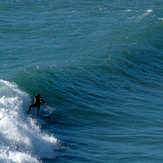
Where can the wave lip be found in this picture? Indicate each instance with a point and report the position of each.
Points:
(21, 137)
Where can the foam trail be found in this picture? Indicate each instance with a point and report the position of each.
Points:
(21, 138)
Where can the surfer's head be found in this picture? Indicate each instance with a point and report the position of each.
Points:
(38, 95)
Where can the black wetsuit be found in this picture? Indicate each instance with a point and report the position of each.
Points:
(38, 100)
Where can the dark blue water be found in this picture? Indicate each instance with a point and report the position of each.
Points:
(98, 65)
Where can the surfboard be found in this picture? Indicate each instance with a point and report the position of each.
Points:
(45, 115)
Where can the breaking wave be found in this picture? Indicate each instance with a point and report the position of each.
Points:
(22, 139)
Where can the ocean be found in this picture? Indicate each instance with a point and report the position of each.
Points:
(99, 67)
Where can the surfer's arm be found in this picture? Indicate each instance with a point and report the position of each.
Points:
(43, 101)
(34, 100)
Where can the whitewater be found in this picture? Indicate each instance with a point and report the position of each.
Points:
(22, 139)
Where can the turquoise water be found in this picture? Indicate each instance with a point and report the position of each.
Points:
(98, 65)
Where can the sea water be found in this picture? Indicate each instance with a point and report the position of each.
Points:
(99, 67)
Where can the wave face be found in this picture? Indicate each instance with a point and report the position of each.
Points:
(21, 137)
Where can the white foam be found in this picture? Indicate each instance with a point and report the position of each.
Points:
(161, 19)
(129, 10)
(146, 13)
(21, 138)
(18, 157)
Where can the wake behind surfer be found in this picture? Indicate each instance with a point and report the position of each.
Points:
(37, 101)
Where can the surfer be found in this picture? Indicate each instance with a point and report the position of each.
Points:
(37, 101)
